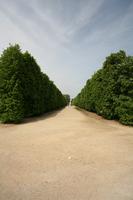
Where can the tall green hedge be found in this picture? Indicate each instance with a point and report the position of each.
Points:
(24, 90)
(109, 92)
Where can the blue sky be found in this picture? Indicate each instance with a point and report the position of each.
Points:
(69, 38)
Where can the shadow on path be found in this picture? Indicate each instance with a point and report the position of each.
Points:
(44, 116)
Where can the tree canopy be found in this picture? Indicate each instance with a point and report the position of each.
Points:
(109, 92)
(25, 91)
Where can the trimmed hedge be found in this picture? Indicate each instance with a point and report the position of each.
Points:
(109, 92)
(24, 90)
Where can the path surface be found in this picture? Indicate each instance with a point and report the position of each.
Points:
(66, 155)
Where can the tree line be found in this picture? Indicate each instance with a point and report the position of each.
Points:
(109, 92)
(67, 97)
(25, 91)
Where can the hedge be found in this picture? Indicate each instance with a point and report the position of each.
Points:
(25, 91)
(109, 92)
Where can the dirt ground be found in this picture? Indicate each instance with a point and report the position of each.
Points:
(66, 155)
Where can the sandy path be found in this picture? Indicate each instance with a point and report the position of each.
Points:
(67, 155)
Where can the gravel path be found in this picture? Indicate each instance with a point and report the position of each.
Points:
(66, 155)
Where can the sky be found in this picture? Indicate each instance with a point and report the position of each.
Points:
(69, 39)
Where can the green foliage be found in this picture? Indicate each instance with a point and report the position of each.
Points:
(67, 97)
(24, 90)
(109, 92)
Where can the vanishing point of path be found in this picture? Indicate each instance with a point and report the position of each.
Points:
(66, 155)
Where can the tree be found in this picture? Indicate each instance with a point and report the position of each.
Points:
(109, 92)
(11, 99)
(24, 90)
(67, 98)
